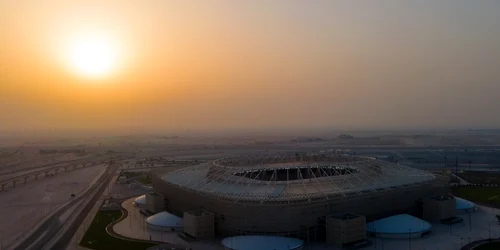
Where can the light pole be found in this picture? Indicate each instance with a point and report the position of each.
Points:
(489, 229)
(409, 238)
(470, 218)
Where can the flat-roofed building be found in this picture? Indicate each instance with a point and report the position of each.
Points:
(345, 228)
(155, 202)
(438, 208)
(199, 224)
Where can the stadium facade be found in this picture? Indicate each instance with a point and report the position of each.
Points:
(291, 194)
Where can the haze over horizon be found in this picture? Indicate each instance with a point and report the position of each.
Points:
(259, 65)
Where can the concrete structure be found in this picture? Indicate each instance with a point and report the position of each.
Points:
(345, 228)
(402, 226)
(140, 201)
(437, 208)
(155, 202)
(122, 179)
(34, 175)
(287, 193)
(464, 206)
(254, 242)
(164, 221)
(199, 224)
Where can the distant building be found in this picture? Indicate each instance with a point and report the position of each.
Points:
(345, 136)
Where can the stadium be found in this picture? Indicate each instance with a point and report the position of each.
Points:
(290, 194)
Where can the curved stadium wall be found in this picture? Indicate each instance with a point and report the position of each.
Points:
(360, 185)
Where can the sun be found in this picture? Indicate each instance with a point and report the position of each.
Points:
(93, 56)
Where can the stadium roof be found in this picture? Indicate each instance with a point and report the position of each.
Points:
(398, 224)
(295, 176)
(463, 204)
(165, 219)
(141, 200)
(261, 242)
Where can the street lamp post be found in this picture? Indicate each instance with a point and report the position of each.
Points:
(489, 229)
(409, 238)
(470, 218)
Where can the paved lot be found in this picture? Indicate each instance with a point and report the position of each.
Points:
(442, 237)
(134, 226)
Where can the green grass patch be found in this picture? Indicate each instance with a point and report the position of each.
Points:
(146, 180)
(489, 246)
(484, 195)
(477, 177)
(97, 238)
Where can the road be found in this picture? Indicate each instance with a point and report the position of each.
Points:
(72, 162)
(35, 171)
(53, 232)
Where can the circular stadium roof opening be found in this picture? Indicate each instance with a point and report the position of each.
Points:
(295, 173)
(237, 178)
(399, 226)
(261, 242)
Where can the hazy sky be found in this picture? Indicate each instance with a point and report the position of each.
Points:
(253, 64)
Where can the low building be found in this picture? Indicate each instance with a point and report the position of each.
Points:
(199, 224)
(140, 201)
(401, 226)
(439, 208)
(464, 206)
(345, 228)
(122, 180)
(155, 202)
(165, 221)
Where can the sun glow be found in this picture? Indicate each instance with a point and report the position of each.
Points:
(93, 55)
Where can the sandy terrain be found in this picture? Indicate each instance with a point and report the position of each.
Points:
(26, 204)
